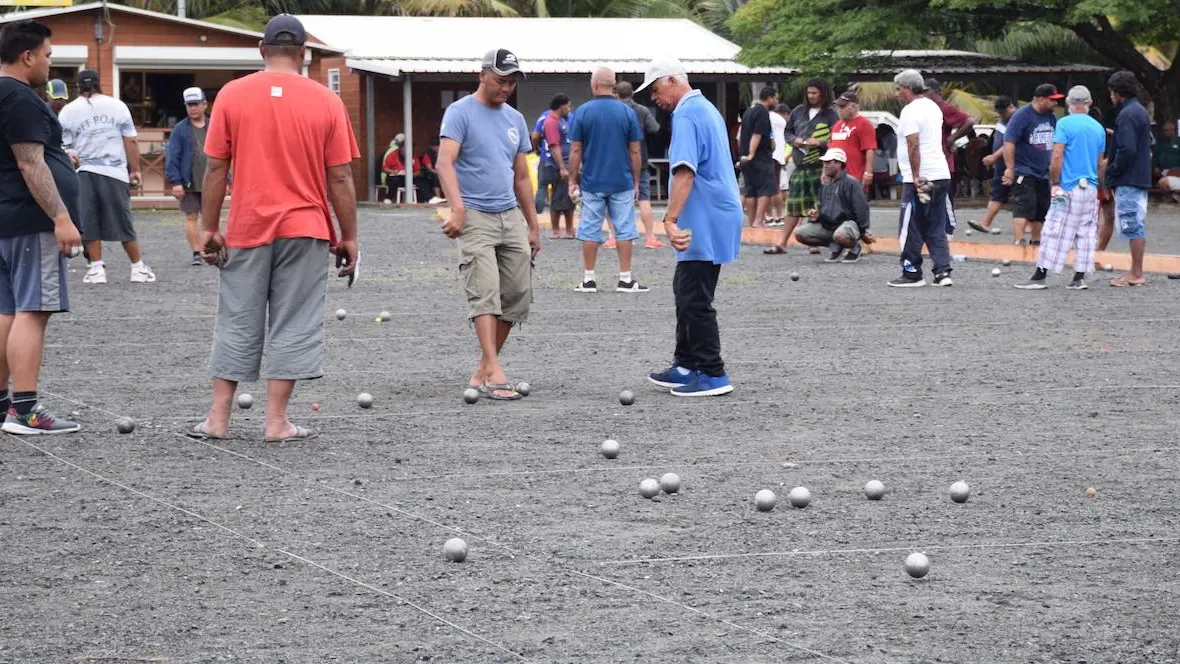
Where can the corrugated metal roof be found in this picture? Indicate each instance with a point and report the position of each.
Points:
(396, 67)
(544, 45)
(962, 62)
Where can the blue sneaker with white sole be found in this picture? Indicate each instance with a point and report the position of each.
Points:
(673, 376)
(704, 386)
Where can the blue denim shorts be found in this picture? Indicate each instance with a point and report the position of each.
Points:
(595, 207)
(1130, 212)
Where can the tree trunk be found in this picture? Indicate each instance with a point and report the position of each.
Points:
(1161, 87)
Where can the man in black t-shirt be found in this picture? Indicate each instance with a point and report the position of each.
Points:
(38, 203)
(756, 144)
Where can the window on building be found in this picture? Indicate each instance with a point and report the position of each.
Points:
(334, 80)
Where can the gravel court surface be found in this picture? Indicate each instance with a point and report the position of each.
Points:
(1030, 397)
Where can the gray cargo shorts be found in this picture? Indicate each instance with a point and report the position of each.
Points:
(287, 279)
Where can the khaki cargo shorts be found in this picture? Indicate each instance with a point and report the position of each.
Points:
(496, 265)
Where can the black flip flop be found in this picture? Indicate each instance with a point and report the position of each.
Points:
(975, 225)
(774, 250)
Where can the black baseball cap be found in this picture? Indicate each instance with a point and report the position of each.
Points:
(1002, 103)
(933, 84)
(284, 30)
(502, 62)
(1048, 90)
(88, 77)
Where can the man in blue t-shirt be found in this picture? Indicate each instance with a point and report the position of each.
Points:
(704, 224)
(605, 172)
(542, 150)
(1077, 166)
(999, 191)
(484, 173)
(1028, 140)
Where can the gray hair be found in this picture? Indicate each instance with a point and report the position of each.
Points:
(912, 80)
(603, 77)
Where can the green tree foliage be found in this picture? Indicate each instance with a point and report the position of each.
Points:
(827, 36)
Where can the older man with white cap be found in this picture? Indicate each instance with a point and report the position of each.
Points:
(1076, 167)
(704, 224)
(841, 218)
(185, 165)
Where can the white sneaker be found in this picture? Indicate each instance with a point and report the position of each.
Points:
(97, 274)
(141, 275)
(436, 200)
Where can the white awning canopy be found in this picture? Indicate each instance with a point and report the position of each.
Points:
(397, 45)
(190, 57)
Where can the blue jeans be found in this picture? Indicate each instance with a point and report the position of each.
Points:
(1130, 212)
(595, 207)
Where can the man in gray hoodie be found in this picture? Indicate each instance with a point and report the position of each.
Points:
(841, 219)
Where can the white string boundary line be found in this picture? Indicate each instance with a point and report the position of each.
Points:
(549, 560)
(344, 492)
(405, 601)
(896, 549)
(729, 330)
(517, 410)
(703, 614)
(310, 481)
(799, 462)
(260, 545)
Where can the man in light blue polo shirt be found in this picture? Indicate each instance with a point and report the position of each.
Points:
(704, 225)
(484, 173)
(605, 168)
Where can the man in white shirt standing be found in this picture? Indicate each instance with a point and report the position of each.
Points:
(778, 130)
(100, 129)
(927, 181)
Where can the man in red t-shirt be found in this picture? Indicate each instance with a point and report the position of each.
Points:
(291, 144)
(856, 135)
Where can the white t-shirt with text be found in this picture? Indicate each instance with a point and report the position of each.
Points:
(95, 128)
(922, 117)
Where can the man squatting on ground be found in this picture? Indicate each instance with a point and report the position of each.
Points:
(185, 162)
(484, 172)
(100, 129)
(38, 205)
(842, 218)
(704, 224)
(926, 179)
(291, 145)
(1077, 166)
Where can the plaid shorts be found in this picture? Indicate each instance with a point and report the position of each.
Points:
(1071, 224)
(804, 192)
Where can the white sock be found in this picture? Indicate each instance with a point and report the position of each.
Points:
(625, 277)
(137, 265)
(682, 371)
(98, 264)
(588, 276)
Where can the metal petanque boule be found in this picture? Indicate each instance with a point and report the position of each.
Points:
(765, 500)
(917, 565)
